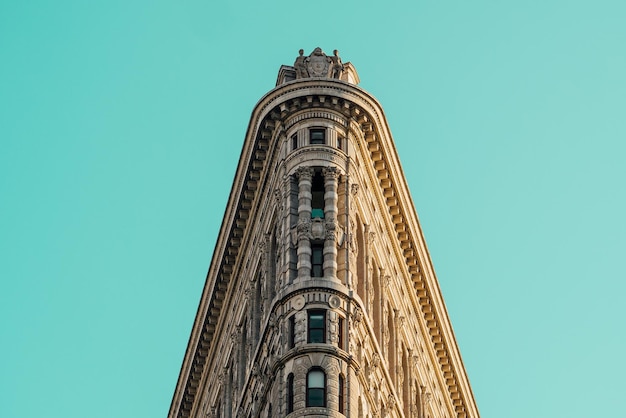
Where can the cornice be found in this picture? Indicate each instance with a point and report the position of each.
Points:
(272, 110)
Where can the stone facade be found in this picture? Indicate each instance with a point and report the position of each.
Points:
(321, 299)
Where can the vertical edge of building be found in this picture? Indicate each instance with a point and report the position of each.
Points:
(321, 298)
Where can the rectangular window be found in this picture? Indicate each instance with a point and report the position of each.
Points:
(341, 394)
(290, 393)
(341, 333)
(317, 260)
(294, 141)
(317, 196)
(340, 142)
(292, 331)
(317, 326)
(318, 136)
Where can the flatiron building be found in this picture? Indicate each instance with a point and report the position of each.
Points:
(321, 299)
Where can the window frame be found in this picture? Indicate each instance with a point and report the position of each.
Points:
(294, 141)
(310, 328)
(341, 399)
(341, 332)
(317, 268)
(316, 141)
(290, 393)
(292, 331)
(316, 390)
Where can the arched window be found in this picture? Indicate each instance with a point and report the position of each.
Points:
(290, 393)
(341, 397)
(316, 387)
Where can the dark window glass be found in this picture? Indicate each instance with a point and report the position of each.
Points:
(292, 331)
(317, 260)
(317, 326)
(294, 141)
(290, 393)
(341, 333)
(340, 142)
(341, 393)
(318, 136)
(317, 196)
(316, 388)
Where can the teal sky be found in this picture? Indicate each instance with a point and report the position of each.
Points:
(121, 124)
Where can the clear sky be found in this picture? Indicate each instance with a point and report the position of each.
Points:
(121, 124)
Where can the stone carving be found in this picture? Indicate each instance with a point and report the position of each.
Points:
(331, 228)
(318, 230)
(337, 68)
(330, 173)
(371, 237)
(318, 64)
(301, 71)
(305, 173)
(375, 360)
(357, 315)
(354, 189)
(304, 228)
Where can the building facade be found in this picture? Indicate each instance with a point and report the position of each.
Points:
(321, 299)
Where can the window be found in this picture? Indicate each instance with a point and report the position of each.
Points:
(318, 136)
(317, 196)
(317, 260)
(294, 141)
(341, 393)
(340, 333)
(316, 388)
(290, 393)
(340, 142)
(292, 331)
(317, 326)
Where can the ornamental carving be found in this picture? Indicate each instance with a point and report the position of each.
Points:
(318, 229)
(330, 173)
(375, 360)
(318, 64)
(305, 173)
(357, 315)
(331, 227)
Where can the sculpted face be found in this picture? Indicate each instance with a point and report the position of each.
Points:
(301, 51)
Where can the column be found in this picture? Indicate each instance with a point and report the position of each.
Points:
(331, 175)
(305, 178)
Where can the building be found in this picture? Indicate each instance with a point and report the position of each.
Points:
(321, 299)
